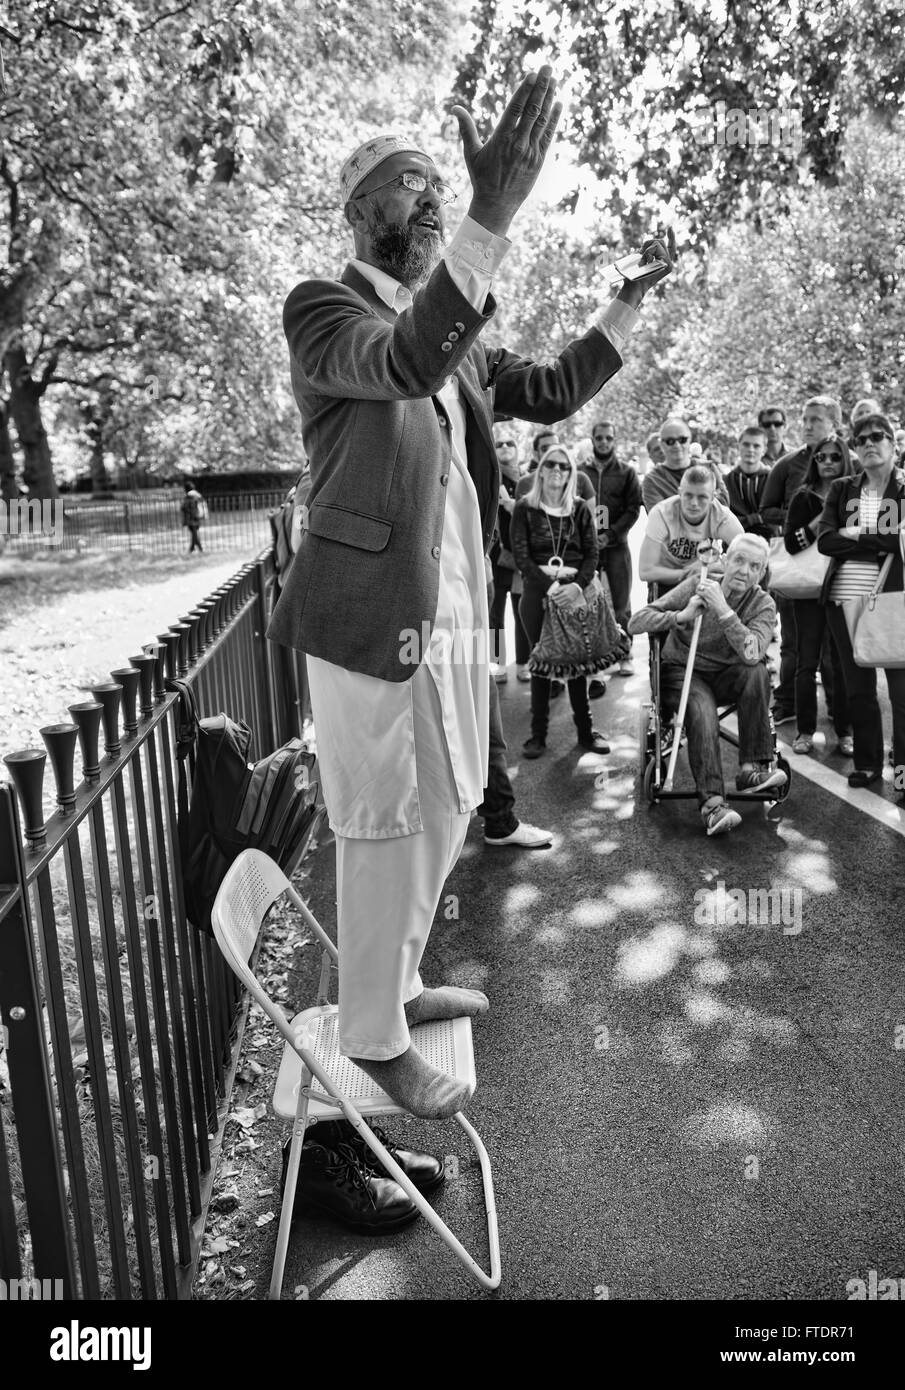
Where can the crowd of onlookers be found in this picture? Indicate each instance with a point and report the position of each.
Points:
(563, 518)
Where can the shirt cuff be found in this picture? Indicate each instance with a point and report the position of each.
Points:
(477, 248)
(617, 321)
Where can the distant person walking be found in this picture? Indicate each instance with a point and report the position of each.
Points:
(193, 513)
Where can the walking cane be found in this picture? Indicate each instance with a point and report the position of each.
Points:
(706, 551)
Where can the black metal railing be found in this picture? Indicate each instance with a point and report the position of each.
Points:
(121, 1024)
(138, 521)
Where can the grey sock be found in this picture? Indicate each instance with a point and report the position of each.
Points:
(449, 1001)
(420, 1088)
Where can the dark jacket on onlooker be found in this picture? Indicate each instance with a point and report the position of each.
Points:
(617, 487)
(841, 504)
(786, 477)
(501, 539)
(746, 492)
(807, 502)
(574, 538)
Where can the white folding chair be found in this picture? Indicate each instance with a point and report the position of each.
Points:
(315, 1080)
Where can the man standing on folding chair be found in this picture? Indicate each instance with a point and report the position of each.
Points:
(386, 595)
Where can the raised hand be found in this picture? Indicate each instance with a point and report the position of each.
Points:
(504, 170)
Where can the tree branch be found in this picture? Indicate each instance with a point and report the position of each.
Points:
(13, 187)
(78, 202)
(167, 14)
(75, 28)
(47, 375)
(96, 383)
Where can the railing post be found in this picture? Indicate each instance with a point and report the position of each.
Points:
(29, 1069)
(264, 663)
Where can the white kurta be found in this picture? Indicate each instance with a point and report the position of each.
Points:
(365, 726)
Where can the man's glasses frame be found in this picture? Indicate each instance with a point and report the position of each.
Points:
(416, 183)
(677, 439)
(773, 424)
(875, 436)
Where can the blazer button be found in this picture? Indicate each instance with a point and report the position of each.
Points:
(436, 552)
(441, 421)
(453, 337)
(460, 327)
(446, 347)
(444, 479)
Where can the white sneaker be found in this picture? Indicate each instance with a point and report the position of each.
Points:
(523, 837)
(522, 673)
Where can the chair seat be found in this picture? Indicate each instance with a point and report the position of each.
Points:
(445, 1044)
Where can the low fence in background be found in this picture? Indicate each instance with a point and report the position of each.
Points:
(120, 1024)
(138, 521)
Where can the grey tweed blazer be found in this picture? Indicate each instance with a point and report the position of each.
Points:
(379, 446)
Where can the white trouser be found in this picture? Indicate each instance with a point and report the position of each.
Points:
(387, 893)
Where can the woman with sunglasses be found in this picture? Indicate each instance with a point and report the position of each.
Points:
(551, 522)
(829, 461)
(858, 528)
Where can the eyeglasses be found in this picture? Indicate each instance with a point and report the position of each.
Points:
(417, 183)
(828, 458)
(874, 437)
(559, 467)
(773, 424)
(505, 443)
(677, 439)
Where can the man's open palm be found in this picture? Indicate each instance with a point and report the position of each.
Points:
(504, 170)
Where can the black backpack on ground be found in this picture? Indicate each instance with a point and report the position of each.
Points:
(269, 805)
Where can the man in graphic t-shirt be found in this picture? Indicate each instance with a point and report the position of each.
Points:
(676, 527)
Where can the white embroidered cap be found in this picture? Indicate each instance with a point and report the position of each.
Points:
(371, 153)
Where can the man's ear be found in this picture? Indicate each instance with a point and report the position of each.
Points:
(354, 215)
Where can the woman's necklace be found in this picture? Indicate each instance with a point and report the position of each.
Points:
(557, 541)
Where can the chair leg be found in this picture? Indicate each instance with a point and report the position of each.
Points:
(300, 1124)
(487, 1281)
(493, 1234)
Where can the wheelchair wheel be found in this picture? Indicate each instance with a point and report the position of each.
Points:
(648, 784)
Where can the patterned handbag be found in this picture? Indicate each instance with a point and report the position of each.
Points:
(582, 640)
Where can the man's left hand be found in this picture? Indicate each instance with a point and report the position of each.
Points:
(659, 248)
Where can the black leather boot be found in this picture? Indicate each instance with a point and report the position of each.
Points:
(332, 1182)
(425, 1171)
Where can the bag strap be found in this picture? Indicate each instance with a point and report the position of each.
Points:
(881, 578)
(187, 726)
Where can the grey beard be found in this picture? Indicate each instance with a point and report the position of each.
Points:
(405, 255)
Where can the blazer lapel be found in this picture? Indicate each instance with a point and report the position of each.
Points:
(361, 285)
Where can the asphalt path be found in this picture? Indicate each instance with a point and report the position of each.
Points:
(685, 1094)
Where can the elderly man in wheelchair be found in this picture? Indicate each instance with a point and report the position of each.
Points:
(737, 619)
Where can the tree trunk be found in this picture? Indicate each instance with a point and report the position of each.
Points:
(8, 488)
(25, 408)
(96, 415)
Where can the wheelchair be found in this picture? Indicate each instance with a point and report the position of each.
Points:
(656, 739)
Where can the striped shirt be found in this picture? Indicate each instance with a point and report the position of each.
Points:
(856, 578)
